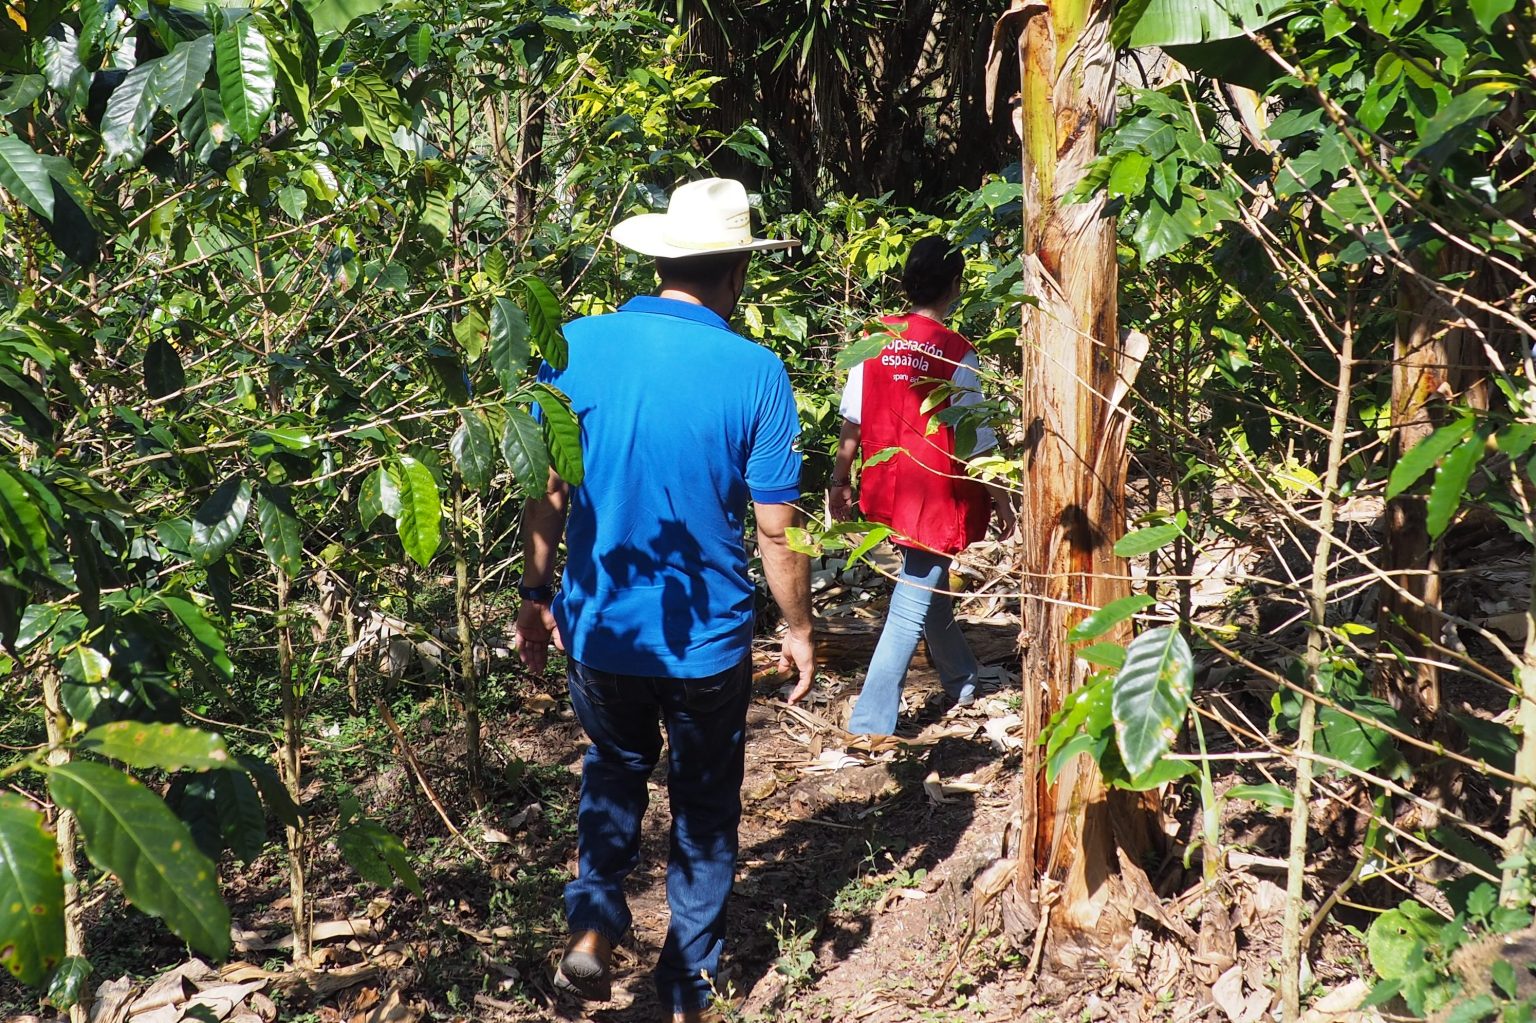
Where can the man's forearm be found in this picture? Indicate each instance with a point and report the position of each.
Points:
(847, 450)
(789, 577)
(543, 525)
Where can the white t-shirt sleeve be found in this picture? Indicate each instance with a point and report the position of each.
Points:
(852, 403)
(967, 382)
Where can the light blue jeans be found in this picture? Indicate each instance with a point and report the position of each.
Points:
(916, 610)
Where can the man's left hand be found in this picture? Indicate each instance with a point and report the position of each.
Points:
(536, 629)
(799, 655)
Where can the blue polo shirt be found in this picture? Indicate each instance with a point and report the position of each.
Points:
(682, 422)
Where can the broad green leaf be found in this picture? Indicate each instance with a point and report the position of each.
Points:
(509, 343)
(1082, 742)
(168, 747)
(182, 72)
(1420, 458)
(544, 316)
(380, 495)
(377, 855)
(522, 445)
(1085, 710)
(333, 16)
(1488, 12)
(1108, 616)
(206, 635)
(883, 455)
(1395, 939)
(130, 832)
(421, 511)
(1105, 655)
(247, 86)
(1451, 481)
(281, 533)
(1162, 771)
(864, 348)
(223, 811)
(1151, 696)
(1268, 793)
(31, 893)
(874, 536)
(562, 433)
(1176, 22)
(995, 194)
(273, 792)
(418, 45)
(68, 982)
(471, 332)
(163, 372)
(22, 92)
(474, 451)
(21, 521)
(24, 175)
(129, 111)
(216, 524)
(1145, 541)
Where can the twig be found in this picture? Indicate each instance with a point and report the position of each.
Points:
(421, 779)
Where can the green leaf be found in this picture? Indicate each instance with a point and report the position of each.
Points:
(1108, 616)
(864, 348)
(1151, 696)
(1162, 771)
(1420, 458)
(247, 85)
(380, 495)
(874, 536)
(31, 893)
(223, 811)
(1488, 12)
(471, 332)
(418, 45)
(1105, 655)
(281, 533)
(522, 445)
(68, 982)
(22, 521)
(1145, 541)
(1175, 22)
(216, 524)
(24, 175)
(421, 511)
(883, 455)
(996, 194)
(377, 855)
(473, 450)
(1451, 481)
(21, 93)
(544, 315)
(182, 72)
(562, 433)
(1268, 793)
(168, 747)
(273, 792)
(1395, 940)
(210, 642)
(333, 16)
(130, 832)
(163, 372)
(129, 110)
(509, 343)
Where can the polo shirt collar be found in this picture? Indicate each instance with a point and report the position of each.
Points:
(674, 307)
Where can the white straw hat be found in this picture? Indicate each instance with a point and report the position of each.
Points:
(703, 217)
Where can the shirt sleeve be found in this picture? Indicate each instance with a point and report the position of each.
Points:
(852, 404)
(967, 382)
(773, 462)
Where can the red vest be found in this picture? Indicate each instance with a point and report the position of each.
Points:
(923, 493)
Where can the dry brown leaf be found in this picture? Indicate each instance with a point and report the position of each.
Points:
(392, 1010)
(1338, 1003)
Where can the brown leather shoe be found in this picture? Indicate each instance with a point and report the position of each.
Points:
(583, 969)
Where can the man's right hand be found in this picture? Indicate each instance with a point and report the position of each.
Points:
(536, 629)
(799, 655)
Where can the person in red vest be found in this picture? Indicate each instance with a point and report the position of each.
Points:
(922, 492)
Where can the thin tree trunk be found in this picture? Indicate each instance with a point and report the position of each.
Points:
(292, 772)
(469, 676)
(64, 831)
(1073, 508)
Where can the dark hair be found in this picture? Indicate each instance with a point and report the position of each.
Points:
(704, 271)
(932, 266)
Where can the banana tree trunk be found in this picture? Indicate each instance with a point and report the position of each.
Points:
(1076, 369)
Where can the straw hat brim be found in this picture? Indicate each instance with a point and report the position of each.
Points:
(646, 234)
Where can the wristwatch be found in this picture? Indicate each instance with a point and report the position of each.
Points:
(536, 594)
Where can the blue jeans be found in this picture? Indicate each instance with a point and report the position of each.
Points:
(706, 725)
(915, 610)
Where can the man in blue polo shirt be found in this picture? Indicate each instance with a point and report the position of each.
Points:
(683, 422)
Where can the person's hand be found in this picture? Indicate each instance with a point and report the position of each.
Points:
(840, 501)
(1007, 518)
(536, 629)
(799, 655)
